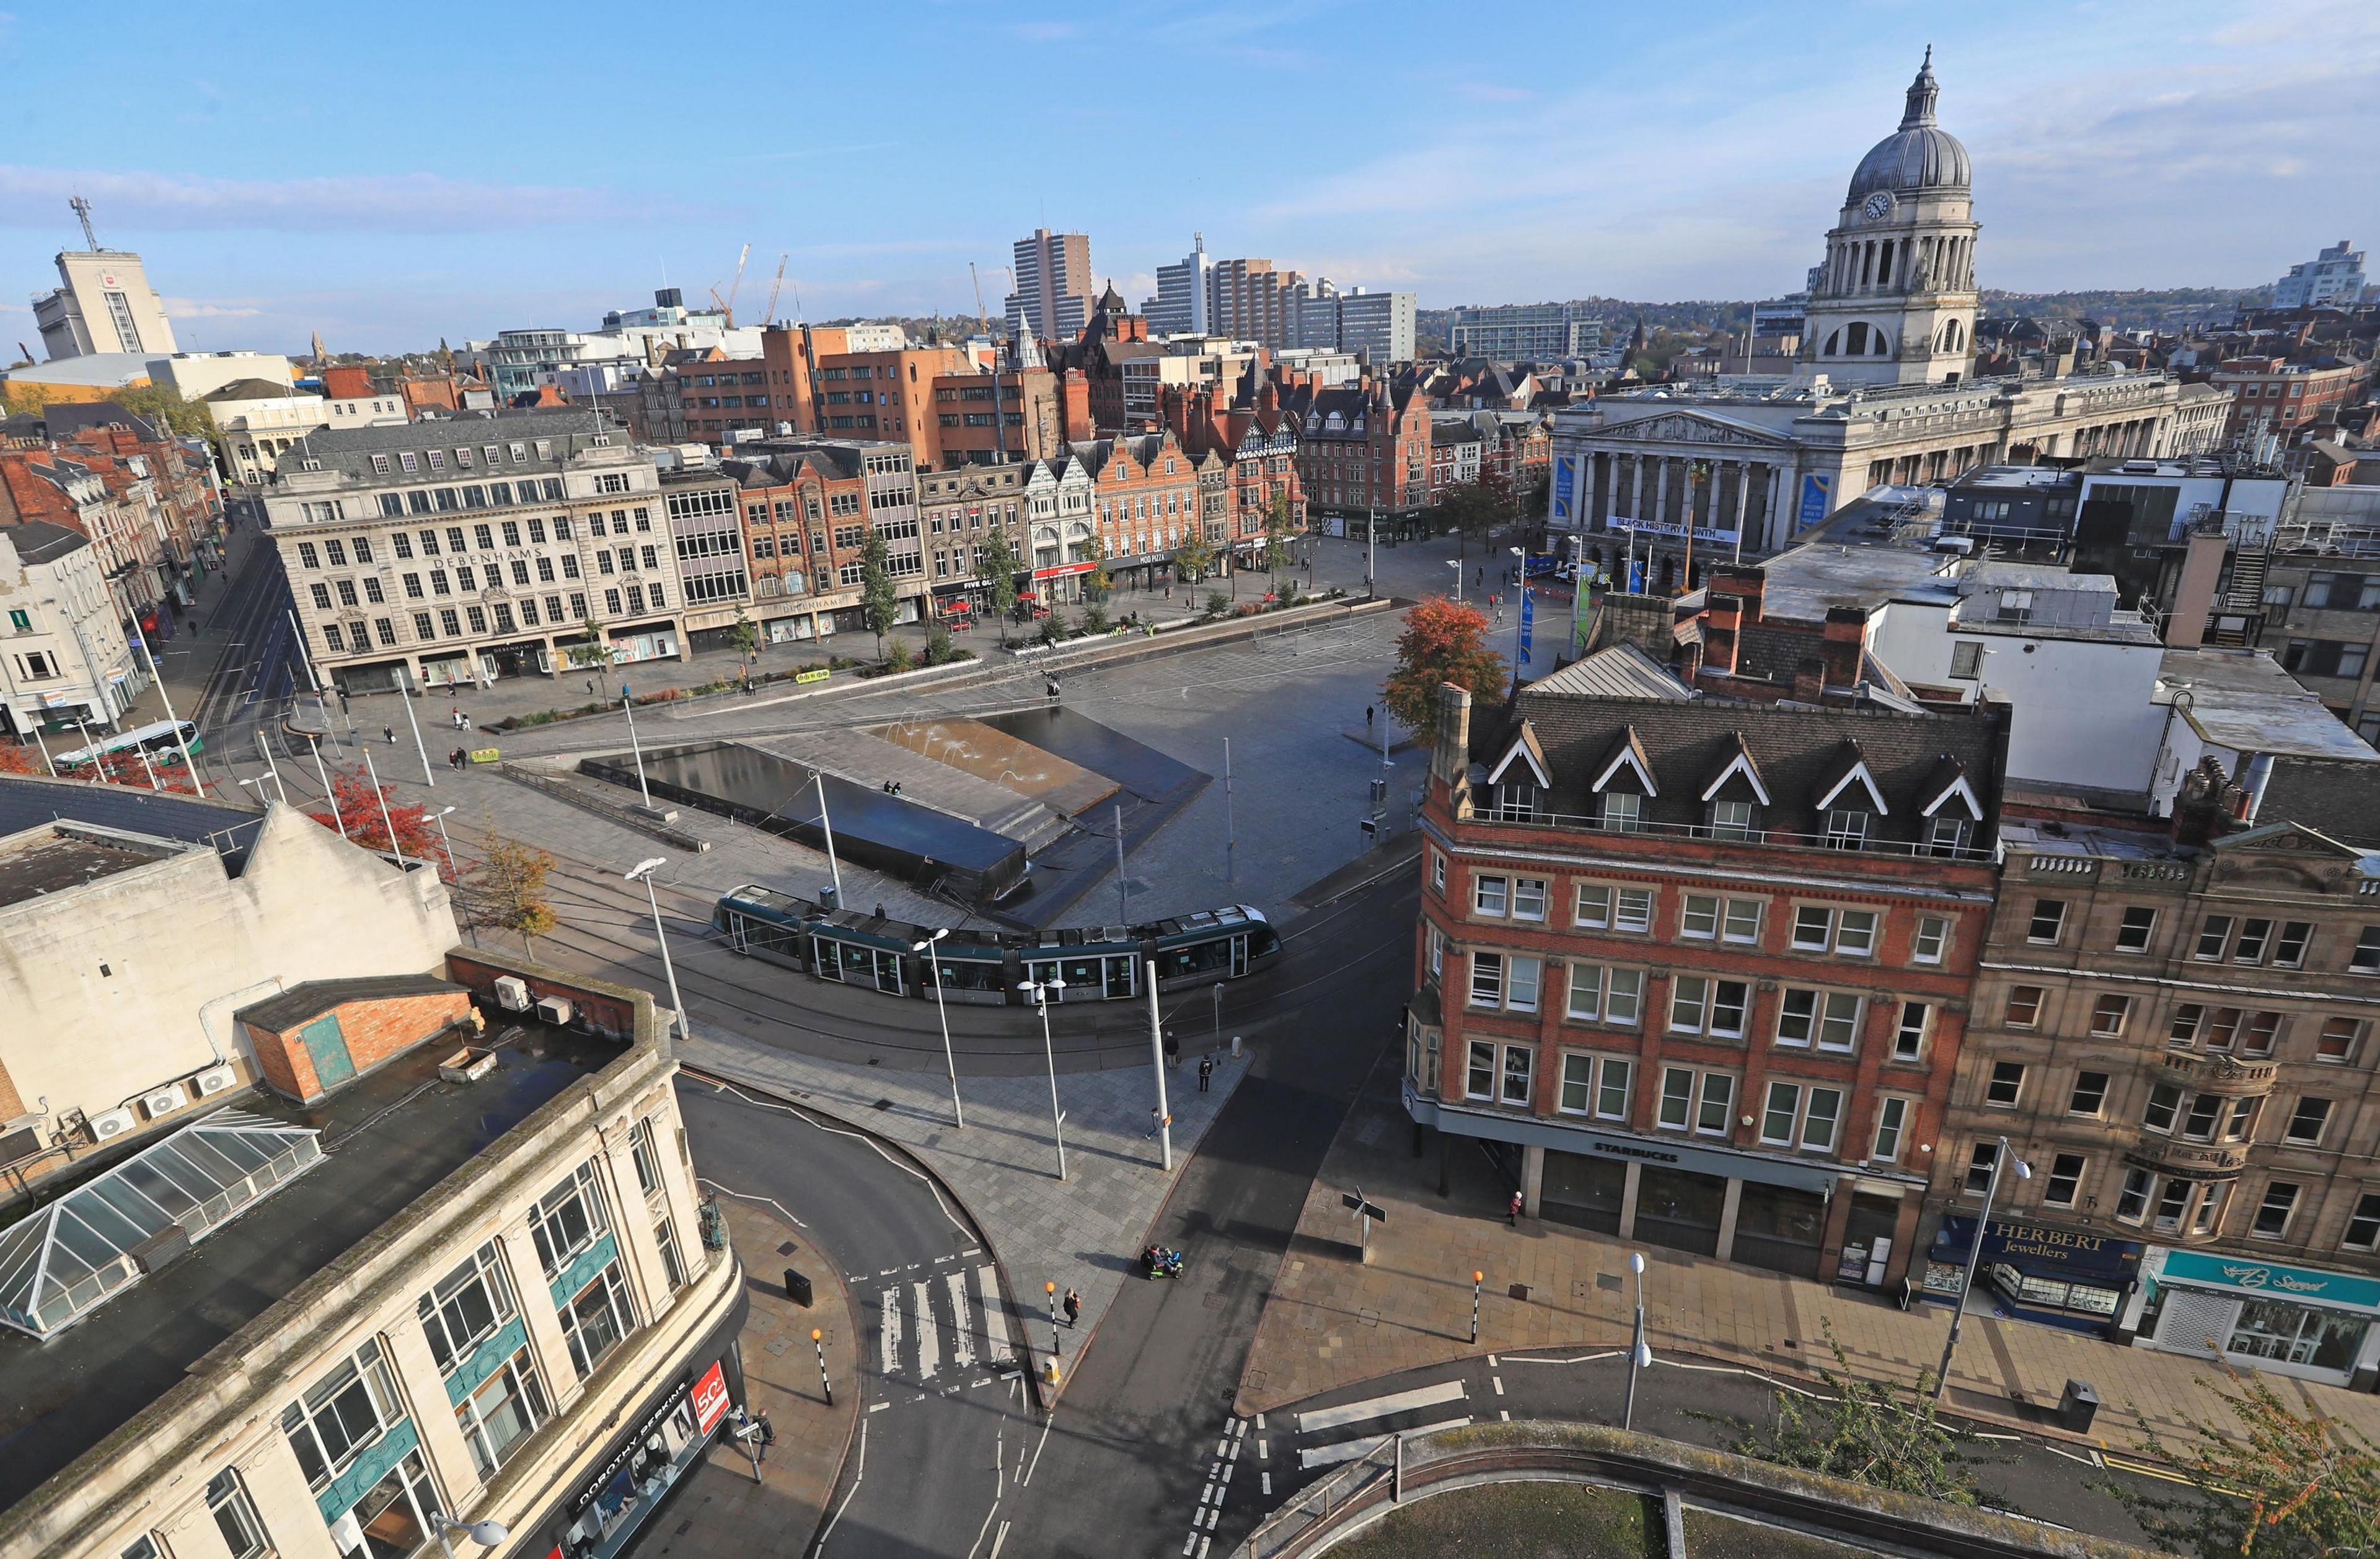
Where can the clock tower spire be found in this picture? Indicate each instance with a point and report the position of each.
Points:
(1895, 302)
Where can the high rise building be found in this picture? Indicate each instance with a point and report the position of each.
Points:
(2333, 278)
(1181, 306)
(1252, 300)
(104, 303)
(1378, 323)
(1526, 331)
(1052, 299)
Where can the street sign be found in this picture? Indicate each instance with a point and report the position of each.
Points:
(1355, 1203)
(1528, 620)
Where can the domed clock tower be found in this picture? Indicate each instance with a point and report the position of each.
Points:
(1896, 298)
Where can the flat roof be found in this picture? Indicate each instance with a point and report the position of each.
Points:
(1859, 558)
(37, 865)
(2243, 700)
(382, 1150)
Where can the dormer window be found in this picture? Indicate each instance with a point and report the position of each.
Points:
(1623, 812)
(1516, 801)
(1947, 835)
(1731, 820)
(1847, 828)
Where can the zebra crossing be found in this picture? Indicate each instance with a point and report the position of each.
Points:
(1418, 1411)
(938, 1327)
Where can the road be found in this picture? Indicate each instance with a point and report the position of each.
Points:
(1148, 1416)
(947, 1432)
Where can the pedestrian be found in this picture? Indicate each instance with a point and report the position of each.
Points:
(466, 722)
(1073, 1307)
(1512, 1214)
(1368, 717)
(590, 687)
(1479, 576)
(454, 715)
(390, 732)
(1206, 1073)
(1172, 1049)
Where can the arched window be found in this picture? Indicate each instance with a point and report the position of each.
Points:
(1879, 346)
(1857, 344)
(1835, 344)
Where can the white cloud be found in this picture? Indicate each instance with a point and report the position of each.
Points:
(409, 202)
(214, 308)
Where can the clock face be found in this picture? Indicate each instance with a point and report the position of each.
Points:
(1879, 205)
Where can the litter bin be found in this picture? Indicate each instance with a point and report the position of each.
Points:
(797, 1289)
(2078, 1406)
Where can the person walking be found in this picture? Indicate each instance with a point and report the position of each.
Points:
(466, 722)
(1173, 1050)
(1512, 1214)
(390, 732)
(1368, 717)
(1206, 1073)
(1073, 1305)
(454, 715)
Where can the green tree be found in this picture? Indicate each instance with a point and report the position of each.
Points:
(1095, 618)
(1218, 604)
(593, 649)
(1471, 509)
(1884, 1435)
(1278, 532)
(744, 635)
(2284, 1485)
(999, 568)
(1192, 556)
(898, 658)
(1097, 582)
(879, 602)
(162, 402)
(939, 647)
(1444, 641)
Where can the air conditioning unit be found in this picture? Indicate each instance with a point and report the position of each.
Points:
(215, 1080)
(512, 993)
(114, 1123)
(554, 1010)
(164, 1102)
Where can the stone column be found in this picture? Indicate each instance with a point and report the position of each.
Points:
(1728, 1210)
(1662, 492)
(1743, 470)
(1628, 1188)
(1532, 1177)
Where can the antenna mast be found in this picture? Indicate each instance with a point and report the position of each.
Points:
(82, 209)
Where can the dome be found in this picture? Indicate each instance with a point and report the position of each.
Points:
(1920, 154)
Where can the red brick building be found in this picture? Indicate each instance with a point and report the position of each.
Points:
(1247, 465)
(2269, 393)
(315, 1037)
(1361, 447)
(1696, 968)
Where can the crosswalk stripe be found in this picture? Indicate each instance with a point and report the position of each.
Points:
(1379, 1406)
(1364, 1445)
(995, 1332)
(889, 1329)
(962, 1333)
(928, 1338)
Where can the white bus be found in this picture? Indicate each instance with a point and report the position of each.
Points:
(163, 741)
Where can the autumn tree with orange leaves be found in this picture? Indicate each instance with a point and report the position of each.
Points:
(1443, 642)
(358, 804)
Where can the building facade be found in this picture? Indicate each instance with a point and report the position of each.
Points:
(1184, 293)
(962, 507)
(476, 547)
(2271, 394)
(1526, 331)
(1378, 324)
(66, 662)
(104, 303)
(1362, 448)
(2333, 279)
(1052, 299)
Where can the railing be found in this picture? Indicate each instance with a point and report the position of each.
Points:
(2218, 1073)
(1781, 839)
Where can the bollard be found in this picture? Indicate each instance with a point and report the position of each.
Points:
(1476, 1278)
(818, 1341)
(1235, 1047)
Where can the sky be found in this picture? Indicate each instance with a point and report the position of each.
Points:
(389, 177)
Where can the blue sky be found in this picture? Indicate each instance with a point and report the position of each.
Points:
(388, 176)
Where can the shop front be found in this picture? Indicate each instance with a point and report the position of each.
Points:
(2060, 1277)
(644, 641)
(2288, 1321)
(1061, 584)
(663, 1445)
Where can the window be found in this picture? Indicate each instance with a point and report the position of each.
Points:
(372, 592)
(1520, 994)
(2090, 1095)
(2213, 936)
(1437, 870)
(2139, 923)
(2289, 951)
(567, 1219)
(2165, 1104)
(1528, 898)
(2254, 935)
(2199, 1121)
(1967, 659)
(344, 1414)
(2107, 1013)
(1612, 1089)
(1518, 1062)
(2307, 1121)
(1486, 980)
(1855, 933)
(1933, 936)
(235, 1516)
(648, 1162)
(1891, 1122)
(2133, 1204)
(1698, 915)
(596, 1319)
(1847, 830)
(1718, 1006)
(1909, 1037)
(346, 589)
(1623, 814)
(1487, 895)
(1436, 951)
(2171, 1203)
(2339, 1039)
(1777, 1119)
(1743, 923)
(1820, 1119)
(1813, 928)
(336, 552)
(2274, 1212)
(1699, 1100)
(672, 1266)
(1731, 819)
(322, 596)
(1596, 993)
(2065, 1180)
(1479, 1076)
(2366, 956)
(2363, 1227)
(2187, 1019)
(466, 1305)
(2007, 1084)
(2023, 1006)
(2048, 920)
(1980, 1165)
(307, 556)
(498, 1418)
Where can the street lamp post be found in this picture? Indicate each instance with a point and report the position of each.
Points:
(1157, 1066)
(1456, 564)
(324, 774)
(445, 838)
(1975, 1258)
(934, 970)
(487, 1534)
(629, 706)
(395, 846)
(1037, 992)
(1639, 1354)
(818, 777)
(643, 871)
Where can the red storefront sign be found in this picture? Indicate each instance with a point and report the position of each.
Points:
(1063, 569)
(710, 1398)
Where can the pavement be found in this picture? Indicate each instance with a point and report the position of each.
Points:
(722, 1507)
(1335, 1321)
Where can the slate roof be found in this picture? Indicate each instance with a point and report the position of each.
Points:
(1620, 670)
(2337, 797)
(38, 541)
(28, 802)
(304, 1002)
(1800, 752)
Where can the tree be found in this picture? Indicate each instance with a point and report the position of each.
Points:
(1193, 555)
(506, 889)
(16, 759)
(2287, 1485)
(159, 770)
(594, 651)
(898, 657)
(1000, 571)
(1276, 535)
(1097, 582)
(743, 636)
(940, 646)
(879, 602)
(1218, 604)
(1884, 1435)
(1471, 509)
(1095, 618)
(1443, 642)
(357, 803)
(162, 402)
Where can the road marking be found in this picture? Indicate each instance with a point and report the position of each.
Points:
(1264, 1450)
(1236, 1451)
(1498, 1381)
(1207, 1494)
(1260, 1420)
(1222, 1447)
(1202, 1547)
(1492, 1361)
(1267, 1485)
(1502, 1414)
(962, 1334)
(929, 1340)
(972, 1250)
(888, 1330)
(1239, 1427)
(1214, 1517)
(888, 1271)
(858, 1472)
(1380, 1407)
(1026, 1481)
(1364, 1445)
(1190, 1543)
(1227, 1475)
(878, 1406)
(997, 1538)
(995, 1338)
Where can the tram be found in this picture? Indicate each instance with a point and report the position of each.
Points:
(1092, 963)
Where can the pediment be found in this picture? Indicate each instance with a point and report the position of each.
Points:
(1690, 427)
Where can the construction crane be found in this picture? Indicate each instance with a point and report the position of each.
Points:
(774, 288)
(727, 304)
(981, 320)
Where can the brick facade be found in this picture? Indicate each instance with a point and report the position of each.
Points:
(372, 1028)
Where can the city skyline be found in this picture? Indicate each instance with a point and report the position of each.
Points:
(1465, 171)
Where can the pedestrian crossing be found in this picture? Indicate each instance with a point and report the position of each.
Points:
(1378, 1419)
(939, 1328)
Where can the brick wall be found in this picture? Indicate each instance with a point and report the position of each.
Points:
(374, 1029)
(605, 1015)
